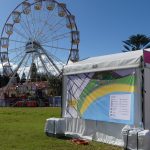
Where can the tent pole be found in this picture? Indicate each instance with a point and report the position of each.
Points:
(143, 92)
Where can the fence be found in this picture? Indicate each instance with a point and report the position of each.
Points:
(55, 101)
(4, 103)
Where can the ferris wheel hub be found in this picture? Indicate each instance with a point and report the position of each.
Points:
(32, 46)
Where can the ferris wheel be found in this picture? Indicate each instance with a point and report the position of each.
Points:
(40, 33)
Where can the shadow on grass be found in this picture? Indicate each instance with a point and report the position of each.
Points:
(59, 136)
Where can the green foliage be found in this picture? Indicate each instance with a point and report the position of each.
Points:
(33, 72)
(23, 78)
(136, 42)
(41, 77)
(23, 129)
(37, 76)
(17, 78)
(56, 85)
(3, 80)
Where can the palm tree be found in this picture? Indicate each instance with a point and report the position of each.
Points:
(136, 42)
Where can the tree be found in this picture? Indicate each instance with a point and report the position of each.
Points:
(17, 78)
(33, 72)
(4, 80)
(42, 77)
(55, 85)
(23, 78)
(136, 42)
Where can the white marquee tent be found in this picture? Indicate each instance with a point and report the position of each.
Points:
(103, 94)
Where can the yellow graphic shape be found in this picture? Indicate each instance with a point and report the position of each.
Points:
(72, 103)
(105, 90)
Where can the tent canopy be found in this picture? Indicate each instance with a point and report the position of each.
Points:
(99, 105)
(108, 62)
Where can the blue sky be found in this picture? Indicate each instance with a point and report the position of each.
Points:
(103, 24)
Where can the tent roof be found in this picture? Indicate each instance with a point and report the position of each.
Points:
(107, 62)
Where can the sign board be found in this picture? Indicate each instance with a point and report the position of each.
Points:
(120, 107)
(102, 96)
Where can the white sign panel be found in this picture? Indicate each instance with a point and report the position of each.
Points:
(120, 107)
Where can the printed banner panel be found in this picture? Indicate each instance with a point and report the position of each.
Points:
(103, 96)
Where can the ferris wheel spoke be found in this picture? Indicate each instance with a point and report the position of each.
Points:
(20, 52)
(39, 20)
(57, 62)
(50, 65)
(25, 29)
(60, 27)
(55, 57)
(33, 20)
(38, 66)
(36, 22)
(15, 49)
(44, 38)
(58, 23)
(19, 33)
(37, 34)
(28, 24)
(44, 65)
(42, 30)
(29, 73)
(56, 30)
(41, 69)
(56, 38)
(51, 15)
(60, 35)
(56, 47)
(16, 57)
(60, 38)
(17, 41)
(51, 60)
(24, 65)
(48, 25)
(26, 61)
(52, 27)
(40, 39)
(33, 24)
(43, 26)
(16, 70)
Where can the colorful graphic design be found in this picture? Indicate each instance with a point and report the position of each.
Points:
(102, 96)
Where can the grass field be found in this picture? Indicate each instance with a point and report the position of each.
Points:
(23, 129)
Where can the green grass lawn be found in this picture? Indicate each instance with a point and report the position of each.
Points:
(23, 129)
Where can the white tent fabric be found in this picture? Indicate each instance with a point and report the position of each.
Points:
(95, 130)
(108, 62)
(106, 132)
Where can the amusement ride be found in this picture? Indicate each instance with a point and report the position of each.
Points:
(39, 37)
